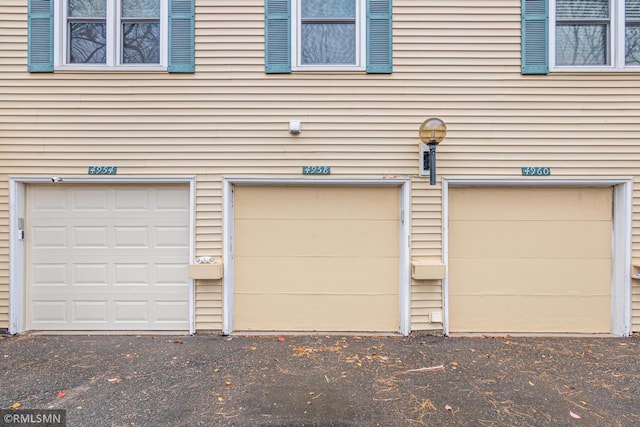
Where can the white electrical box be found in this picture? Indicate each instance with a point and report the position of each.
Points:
(424, 159)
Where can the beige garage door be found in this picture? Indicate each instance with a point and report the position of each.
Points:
(530, 260)
(316, 259)
(107, 257)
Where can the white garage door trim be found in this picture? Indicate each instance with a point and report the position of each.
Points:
(17, 254)
(405, 227)
(621, 256)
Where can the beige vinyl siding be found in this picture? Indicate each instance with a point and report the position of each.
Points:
(208, 298)
(426, 241)
(12, 41)
(459, 61)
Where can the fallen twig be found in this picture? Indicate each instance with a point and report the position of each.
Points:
(429, 369)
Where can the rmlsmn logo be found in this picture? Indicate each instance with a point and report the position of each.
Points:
(33, 417)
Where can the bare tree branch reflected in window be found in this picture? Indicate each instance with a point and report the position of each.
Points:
(88, 44)
(89, 31)
(581, 45)
(632, 32)
(141, 44)
(590, 33)
(328, 32)
(582, 32)
(88, 8)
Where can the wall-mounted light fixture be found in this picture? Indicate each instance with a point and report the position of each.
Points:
(432, 132)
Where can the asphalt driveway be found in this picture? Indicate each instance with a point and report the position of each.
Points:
(324, 380)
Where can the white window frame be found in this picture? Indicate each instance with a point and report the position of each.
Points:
(114, 34)
(296, 43)
(616, 37)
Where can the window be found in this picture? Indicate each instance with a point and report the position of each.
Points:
(327, 34)
(587, 35)
(334, 35)
(596, 33)
(144, 35)
(113, 33)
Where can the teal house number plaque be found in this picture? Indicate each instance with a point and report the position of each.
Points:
(536, 171)
(316, 170)
(102, 170)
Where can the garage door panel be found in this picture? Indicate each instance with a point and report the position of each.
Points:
(169, 311)
(89, 312)
(554, 314)
(166, 237)
(50, 274)
(338, 312)
(131, 237)
(329, 237)
(513, 276)
(109, 237)
(171, 200)
(530, 260)
(101, 292)
(89, 237)
(479, 204)
(531, 239)
(131, 200)
(49, 312)
(131, 274)
(49, 237)
(316, 258)
(373, 203)
(107, 257)
(98, 315)
(89, 274)
(170, 273)
(54, 199)
(313, 275)
(131, 311)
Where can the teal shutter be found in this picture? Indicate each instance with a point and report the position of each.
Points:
(181, 36)
(535, 37)
(40, 36)
(379, 37)
(277, 36)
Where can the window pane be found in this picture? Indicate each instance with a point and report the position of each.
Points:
(632, 32)
(581, 45)
(632, 42)
(141, 43)
(581, 9)
(140, 8)
(88, 8)
(87, 44)
(328, 44)
(632, 9)
(328, 9)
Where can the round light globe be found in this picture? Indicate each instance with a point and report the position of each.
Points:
(432, 131)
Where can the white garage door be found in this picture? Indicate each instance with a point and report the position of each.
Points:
(316, 259)
(532, 260)
(107, 257)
